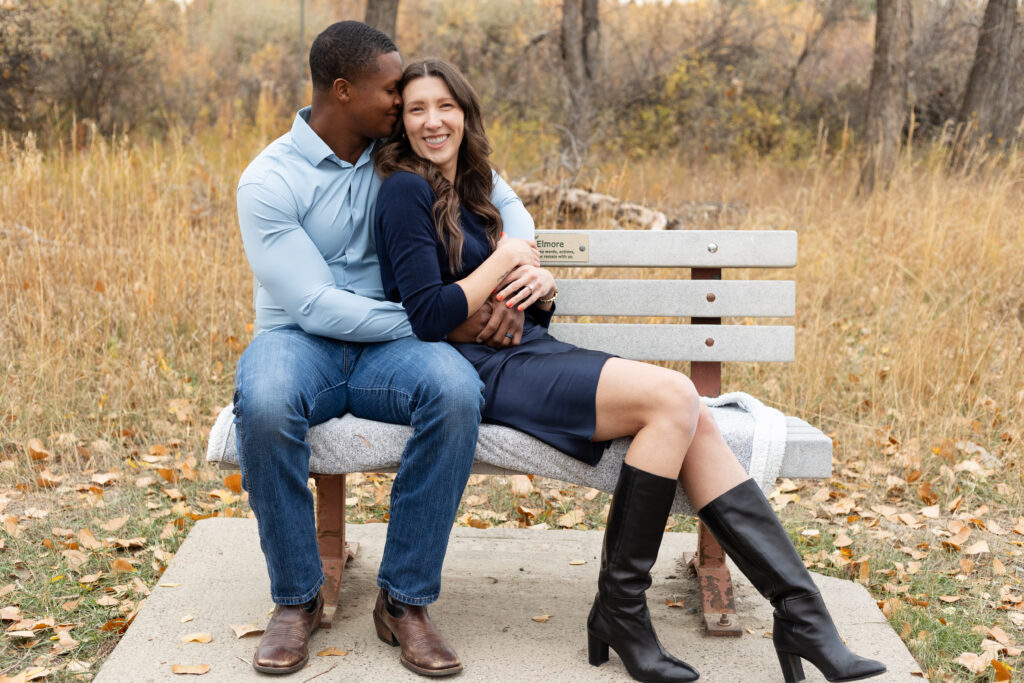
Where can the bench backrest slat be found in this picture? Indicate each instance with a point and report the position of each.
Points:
(673, 248)
(682, 342)
(697, 298)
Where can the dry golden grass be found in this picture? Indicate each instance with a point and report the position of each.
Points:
(126, 300)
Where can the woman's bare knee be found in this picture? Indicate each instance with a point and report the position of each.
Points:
(677, 403)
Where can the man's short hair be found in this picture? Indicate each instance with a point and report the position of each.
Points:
(346, 50)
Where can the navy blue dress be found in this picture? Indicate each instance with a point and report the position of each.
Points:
(543, 387)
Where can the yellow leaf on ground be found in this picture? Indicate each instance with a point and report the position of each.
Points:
(243, 630)
(194, 669)
(577, 563)
(233, 482)
(966, 566)
(842, 540)
(674, 603)
(930, 512)
(542, 618)
(196, 638)
(332, 652)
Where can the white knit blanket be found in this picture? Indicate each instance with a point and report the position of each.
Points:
(755, 432)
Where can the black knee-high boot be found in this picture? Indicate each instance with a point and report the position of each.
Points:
(619, 617)
(750, 532)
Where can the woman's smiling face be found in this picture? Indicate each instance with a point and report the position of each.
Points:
(434, 122)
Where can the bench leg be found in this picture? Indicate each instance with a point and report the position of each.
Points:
(715, 586)
(330, 534)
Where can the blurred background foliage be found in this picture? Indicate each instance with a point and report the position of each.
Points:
(727, 77)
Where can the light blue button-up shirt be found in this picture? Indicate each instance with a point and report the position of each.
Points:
(307, 228)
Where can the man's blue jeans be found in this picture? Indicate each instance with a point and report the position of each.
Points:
(287, 381)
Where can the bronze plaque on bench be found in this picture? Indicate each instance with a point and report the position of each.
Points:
(567, 248)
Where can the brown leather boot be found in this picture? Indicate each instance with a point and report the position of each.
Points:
(283, 648)
(424, 649)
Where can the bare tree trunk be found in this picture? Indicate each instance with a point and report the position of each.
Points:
(986, 108)
(580, 42)
(887, 94)
(382, 15)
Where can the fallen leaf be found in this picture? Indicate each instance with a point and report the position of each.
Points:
(577, 563)
(196, 638)
(75, 558)
(174, 494)
(1000, 636)
(972, 662)
(842, 541)
(998, 567)
(676, 603)
(48, 480)
(64, 638)
(105, 478)
(168, 474)
(243, 630)
(930, 512)
(107, 601)
(10, 613)
(540, 619)
(36, 450)
(950, 598)
(117, 624)
(91, 578)
(1004, 672)
(332, 652)
(571, 519)
(87, 540)
(168, 584)
(195, 669)
(122, 565)
(71, 605)
(978, 548)
(475, 500)
(234, 482)
(521, 485)
(591, 494)
(115, 524)
(956, 541)
(966, 565)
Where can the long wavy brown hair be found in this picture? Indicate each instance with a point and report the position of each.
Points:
(473, 182)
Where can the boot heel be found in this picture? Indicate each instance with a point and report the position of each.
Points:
(792, 667)
(383, 632)
(597, 650)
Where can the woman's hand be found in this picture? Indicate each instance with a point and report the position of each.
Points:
(520, 252)
(524, 285)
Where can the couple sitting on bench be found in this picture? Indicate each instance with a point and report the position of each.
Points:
(396, 280)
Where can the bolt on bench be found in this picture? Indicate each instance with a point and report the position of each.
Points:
(349, 444)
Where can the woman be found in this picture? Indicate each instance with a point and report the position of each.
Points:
(442, 255)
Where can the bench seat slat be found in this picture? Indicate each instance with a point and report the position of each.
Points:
(728, 298)
(682, 342)
(350, 444)
(680, 248)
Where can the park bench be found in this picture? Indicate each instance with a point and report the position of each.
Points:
(349, 444)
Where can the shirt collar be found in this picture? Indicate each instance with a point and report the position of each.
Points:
(312, 146)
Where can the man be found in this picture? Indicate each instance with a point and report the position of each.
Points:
(328, 343)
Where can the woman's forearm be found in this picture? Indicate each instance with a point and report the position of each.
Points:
(480, 284)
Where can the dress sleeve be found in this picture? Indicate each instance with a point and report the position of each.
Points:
(516, 221)
(293, 271)
(407, 240)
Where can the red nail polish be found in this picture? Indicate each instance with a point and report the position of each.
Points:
(508, 305)
(500, 297)
(520, 308)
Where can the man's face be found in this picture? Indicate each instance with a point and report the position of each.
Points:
(375, 103)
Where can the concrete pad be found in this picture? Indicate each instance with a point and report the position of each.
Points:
(495, 580)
